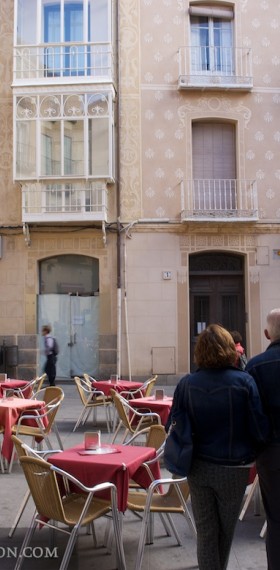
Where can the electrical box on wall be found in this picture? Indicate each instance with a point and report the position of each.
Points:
(166, 275)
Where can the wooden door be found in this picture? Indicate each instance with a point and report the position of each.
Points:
(216, 297)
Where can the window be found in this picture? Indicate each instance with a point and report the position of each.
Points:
(214, 166)
(72, 59)
(76, 37)
(211, 40)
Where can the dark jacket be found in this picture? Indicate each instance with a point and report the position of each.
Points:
(265, 369)
(226, 415)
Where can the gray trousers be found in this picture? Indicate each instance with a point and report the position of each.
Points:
(268, 467)
(216, 495)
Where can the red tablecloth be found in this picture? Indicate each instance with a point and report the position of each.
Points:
(118, 467)
(160, 407)
(10, 410)
(119, 385)
(13, 384)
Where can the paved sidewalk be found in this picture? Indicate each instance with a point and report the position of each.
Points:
(248, 551)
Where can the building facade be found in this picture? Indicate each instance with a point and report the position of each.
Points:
(139, 179)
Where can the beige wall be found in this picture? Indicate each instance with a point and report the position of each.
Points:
(156, 154)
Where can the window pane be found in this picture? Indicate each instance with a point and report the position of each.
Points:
(99, 21)
(51, 33)
(223, 46)
(98, 147)
(26, 149)
(211, 45)
(69, 273)
(200, 43)
(50, 148)
(73, 21)
(201, 313)
(27, 16)
(74, 148)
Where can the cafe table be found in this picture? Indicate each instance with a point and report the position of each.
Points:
(10, 411)
(118, 385)
(160, 406)
(116, 463)
(12, 384)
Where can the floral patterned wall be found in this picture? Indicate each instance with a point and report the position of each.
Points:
(156, 152)
(10, 212)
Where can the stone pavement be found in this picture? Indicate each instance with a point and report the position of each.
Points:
(248, 551)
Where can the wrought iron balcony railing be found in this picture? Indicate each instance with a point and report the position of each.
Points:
(65, 60)
(64, 202)
(219, 200)
(215, 67)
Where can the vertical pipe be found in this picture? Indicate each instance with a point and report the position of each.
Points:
(118, 201)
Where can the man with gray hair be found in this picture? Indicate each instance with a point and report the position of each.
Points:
(265, 369)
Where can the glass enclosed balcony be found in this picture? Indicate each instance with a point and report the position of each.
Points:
(64, 202)
(67, 61)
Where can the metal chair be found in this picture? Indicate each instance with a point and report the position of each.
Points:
(30, 389)
(72, 510)
(91, 400)
(89, 379)
(143, 391)
(43, 422)
(153, 436)
(254, 494)
(1, 458)
(24, 450)
(152, 501)
(130, 419)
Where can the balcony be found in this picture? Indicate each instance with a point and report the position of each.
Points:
(67, 62)
(64, 203)
(229, 200)
(207, 67)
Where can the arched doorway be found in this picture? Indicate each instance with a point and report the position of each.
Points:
(216, 293)
(68, 300)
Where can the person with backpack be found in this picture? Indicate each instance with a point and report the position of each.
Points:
(51, 352)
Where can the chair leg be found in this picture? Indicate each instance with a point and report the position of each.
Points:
(55, 428)
(19, 513)
(69, 548)
(79, 419)
(26, 541)
(2, 464)
(87, 414)
(117, 522)
(249, 498)
(142, 538)
(125, 436)
(117, 431)
(108, 418)
(12, 460)
(170, 520)
(263, 531)
(166, 528)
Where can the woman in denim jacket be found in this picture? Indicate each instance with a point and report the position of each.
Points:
(229, 428)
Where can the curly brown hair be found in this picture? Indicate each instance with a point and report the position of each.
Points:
(215, 348)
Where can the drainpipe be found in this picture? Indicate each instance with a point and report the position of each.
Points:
(118, 201)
